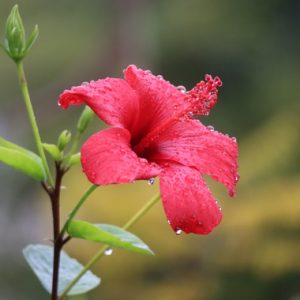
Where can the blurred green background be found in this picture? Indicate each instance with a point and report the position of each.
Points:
(254, 46)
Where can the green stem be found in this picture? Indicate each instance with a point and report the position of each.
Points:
(101, 252)
(32, 119)
(139, 214)
(75, 144)
(77, 207)
(73, 149)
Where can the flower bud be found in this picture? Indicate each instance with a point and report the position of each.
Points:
(53, 151)
(63, 139)
(85, 119)
(15, 43)
(74, 159)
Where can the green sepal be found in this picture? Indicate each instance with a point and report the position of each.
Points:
(33, 37)
(110, 235)
(22, 160)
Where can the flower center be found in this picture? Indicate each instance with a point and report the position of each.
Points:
(198, 101)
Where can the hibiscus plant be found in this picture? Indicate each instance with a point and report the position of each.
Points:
(153, 131)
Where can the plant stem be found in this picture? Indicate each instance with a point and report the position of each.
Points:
(32, 119)
(57, 238)
(101, 252)
(75, 143)
(77, 207)
(139, 214)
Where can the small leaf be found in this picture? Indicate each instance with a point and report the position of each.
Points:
(53, 151)
(40, 259)
(111, 235)
(30, 164)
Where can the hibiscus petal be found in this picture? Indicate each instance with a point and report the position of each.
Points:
(112, 99)
(192, 144)
(187, 201)
(159, 99)
(107, 158)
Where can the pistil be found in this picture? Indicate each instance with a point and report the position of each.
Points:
(198, 101)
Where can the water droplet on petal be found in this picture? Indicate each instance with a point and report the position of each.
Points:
(210, 127)
(181, 88)
(169, 222)
(108, 251)
(84, 83)
(151, 181)
(178, 231)
(160, 77)
(237, 178)
(234, 139)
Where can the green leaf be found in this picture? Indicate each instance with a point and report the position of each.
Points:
(111, 235)
(22, 160)
(7, 144)
(40, 259)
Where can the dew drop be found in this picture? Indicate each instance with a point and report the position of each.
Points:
(181, 88)
(160, 77)
(169, 222)
(151, 181)
(210, 127)
(108, 251)
(234, 139)
(178, 231)
(84, 83)
(237, 178)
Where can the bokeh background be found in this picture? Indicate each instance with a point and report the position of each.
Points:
(254, 46)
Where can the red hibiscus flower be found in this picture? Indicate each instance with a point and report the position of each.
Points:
(153, 133)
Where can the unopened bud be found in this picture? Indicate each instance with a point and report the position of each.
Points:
(15, 43)
(63, 139)
(53, 151)
(85, 118)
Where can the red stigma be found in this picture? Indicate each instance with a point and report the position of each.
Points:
(204, 95)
